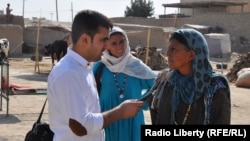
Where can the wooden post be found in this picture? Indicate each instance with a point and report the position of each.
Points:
(147, 48)
(175, 19)
(37, 46)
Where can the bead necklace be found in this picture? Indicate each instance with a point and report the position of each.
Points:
(120, 89)
(186, 116)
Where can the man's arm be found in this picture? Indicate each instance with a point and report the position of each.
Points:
(127, 109)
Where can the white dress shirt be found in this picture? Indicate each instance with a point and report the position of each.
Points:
(72, 93)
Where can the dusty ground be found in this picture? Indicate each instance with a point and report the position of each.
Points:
(24, 109)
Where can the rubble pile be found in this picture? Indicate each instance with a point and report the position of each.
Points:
(243, 61)
(155, 59)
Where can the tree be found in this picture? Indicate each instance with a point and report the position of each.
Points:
(140, 8)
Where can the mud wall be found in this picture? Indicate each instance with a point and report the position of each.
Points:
(14, 33)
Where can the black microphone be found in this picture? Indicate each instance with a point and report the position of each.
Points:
(147, 96)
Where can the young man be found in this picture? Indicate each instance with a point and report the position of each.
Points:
(72, 93)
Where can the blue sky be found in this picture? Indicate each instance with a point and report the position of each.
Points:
(47, 8)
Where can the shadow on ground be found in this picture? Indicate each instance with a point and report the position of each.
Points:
(8, 119)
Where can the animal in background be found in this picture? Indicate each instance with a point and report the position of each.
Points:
(57, 50)
(4, 49)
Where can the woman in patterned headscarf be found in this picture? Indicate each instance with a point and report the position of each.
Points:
(190, 92)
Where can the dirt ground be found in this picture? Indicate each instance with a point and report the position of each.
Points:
(24, 109)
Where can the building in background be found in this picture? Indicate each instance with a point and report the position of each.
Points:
(192, 7)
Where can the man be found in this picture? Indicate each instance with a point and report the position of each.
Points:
(9, 16)
(72, 93)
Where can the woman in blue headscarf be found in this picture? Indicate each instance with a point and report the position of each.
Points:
(123, 76)
(190, 92)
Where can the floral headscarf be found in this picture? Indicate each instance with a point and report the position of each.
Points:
(201, 70)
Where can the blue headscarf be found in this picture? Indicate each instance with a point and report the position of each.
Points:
(192, 87)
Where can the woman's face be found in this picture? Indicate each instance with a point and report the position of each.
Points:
(117, 45)
(179, 58)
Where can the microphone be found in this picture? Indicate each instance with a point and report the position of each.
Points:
(147, 96)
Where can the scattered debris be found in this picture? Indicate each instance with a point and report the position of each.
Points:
(155, 59)
(243, 61)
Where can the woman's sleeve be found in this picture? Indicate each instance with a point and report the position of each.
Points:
(221, 107)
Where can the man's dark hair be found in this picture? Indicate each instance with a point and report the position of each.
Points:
(89, 22)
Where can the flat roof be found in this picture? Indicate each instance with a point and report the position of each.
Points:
(205, 4)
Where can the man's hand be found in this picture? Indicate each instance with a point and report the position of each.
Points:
(130, 108)
(126, 109)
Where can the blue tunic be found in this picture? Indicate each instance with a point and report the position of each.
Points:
(124, 129)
